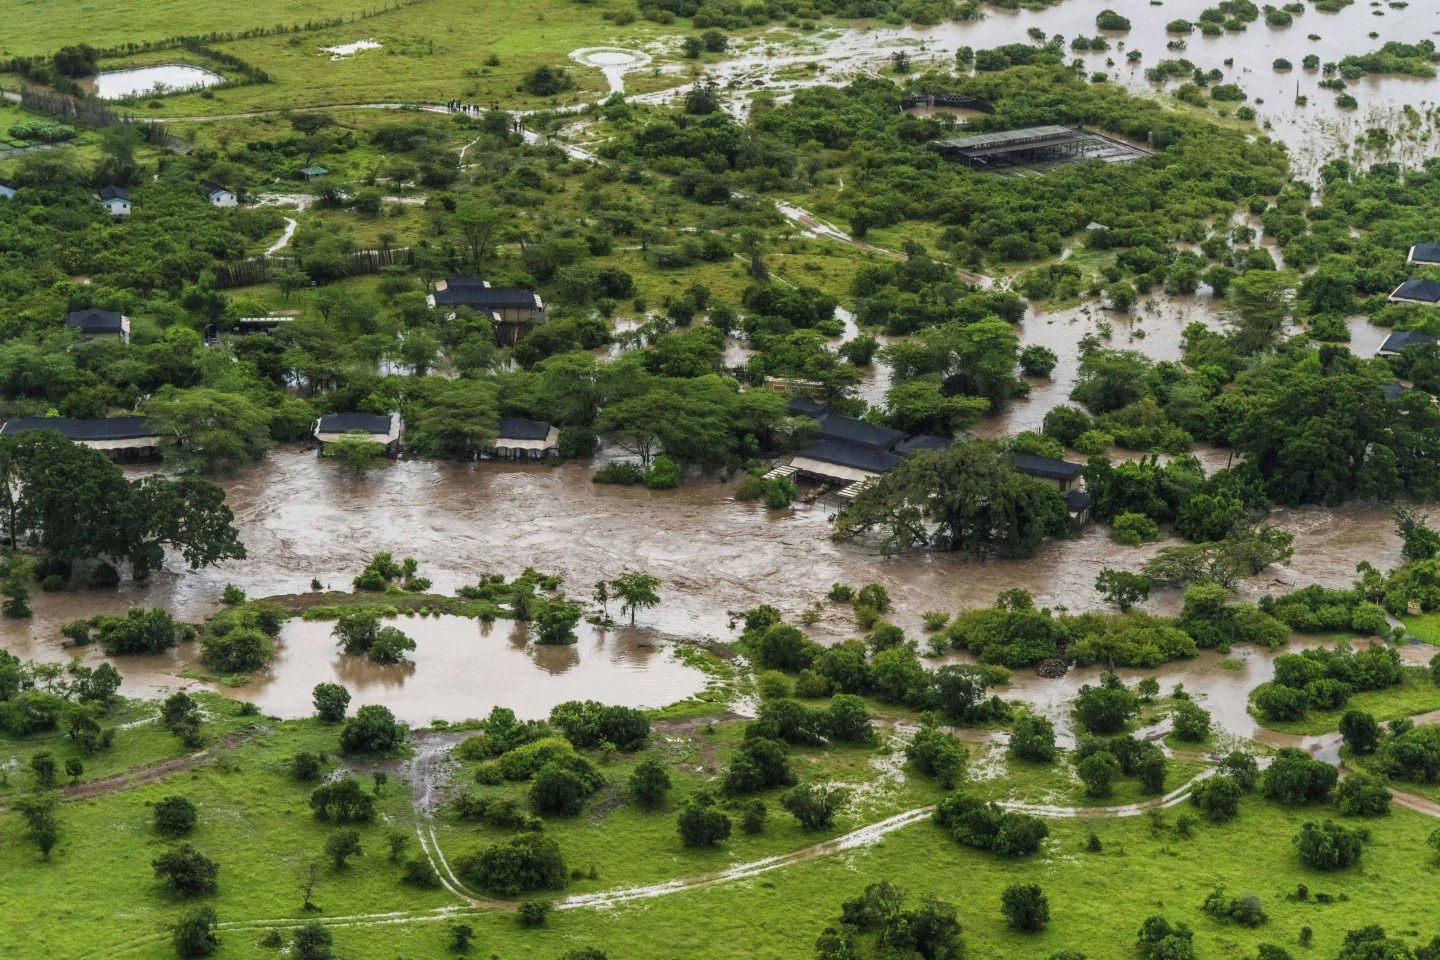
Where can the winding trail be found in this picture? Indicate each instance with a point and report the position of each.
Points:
(429, 770)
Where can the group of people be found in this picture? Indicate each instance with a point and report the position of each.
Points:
(517, 123)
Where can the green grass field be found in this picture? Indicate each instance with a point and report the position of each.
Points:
(1416, 694)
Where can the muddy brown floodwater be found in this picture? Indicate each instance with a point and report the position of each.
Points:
(1313, 132)
(460, 668)
(300, 519)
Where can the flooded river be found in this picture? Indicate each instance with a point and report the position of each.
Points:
(301, 519)
(786, 62)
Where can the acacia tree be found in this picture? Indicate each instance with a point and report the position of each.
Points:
(1123, 588)
(966, 498)
(635, 591)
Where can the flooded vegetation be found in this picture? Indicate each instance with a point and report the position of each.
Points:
(619, 469)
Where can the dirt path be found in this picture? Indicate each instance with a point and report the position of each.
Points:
(147, 773)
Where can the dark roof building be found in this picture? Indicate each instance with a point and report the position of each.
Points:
(923, 441)
(1046, 468)
(806, 407)
(488, 298)
(520, 428)
(1078, 503)
(1395, 391)
(81, 431)
(355, 423)
(521, 438)
(113, 192)
(1417, 291)
(120, 438)
(95, 322)
(383, 429)
(850, 430)
(1425, 253)
(848, 456)
(1400, 339)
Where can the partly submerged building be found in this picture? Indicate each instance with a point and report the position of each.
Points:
(119, 438)
(384, 429)
(512, 310)
(523, 439)
(1398, 340)
(1060, 474)
(1417, 291)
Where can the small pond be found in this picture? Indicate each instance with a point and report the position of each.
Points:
(460, 668)
(165, 78)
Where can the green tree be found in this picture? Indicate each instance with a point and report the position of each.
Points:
(373, 729)
(355, 456)
(194, 934)
(701, 823)
(331, 701)
(175, 816)
(1025, 907)
(1123, 588)
(214, 431)
(635, 591)
(341, 845)
(649, 782)
(965, 498)
(814, 805)
(186, 871)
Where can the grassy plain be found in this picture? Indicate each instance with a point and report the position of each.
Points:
(1417, 693)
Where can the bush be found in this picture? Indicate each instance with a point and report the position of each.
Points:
(174, 817)
(1098, 772)
(194, 934)
(521, 864)
(373, 729)
(663, 474)
(1329, 846)
(1360, 731)
(1363, 794)
(343, 801)
(1246, 910)
(1218, 797)
(305, 766)
(988, 826)
(186, 871)
(622, 473)
(1032, 738)
(814, 805)
(701, 823)
(1133, 529)
(1025, 907)
(1191, 722)
(649, 782)
(331, 701)
(533, 913)
(937, 754)
(1294, 777)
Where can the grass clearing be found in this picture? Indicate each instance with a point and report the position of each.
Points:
(1417, 693)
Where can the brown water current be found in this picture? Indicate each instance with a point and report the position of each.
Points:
(300, 519)
(1312, 132)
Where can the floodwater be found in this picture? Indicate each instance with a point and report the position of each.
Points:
(1221, 683)
(301, 519)
(165, 78)
(345, 51)
(460, 668)
(1312, 132)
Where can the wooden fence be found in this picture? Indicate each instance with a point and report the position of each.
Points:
(253, 270)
